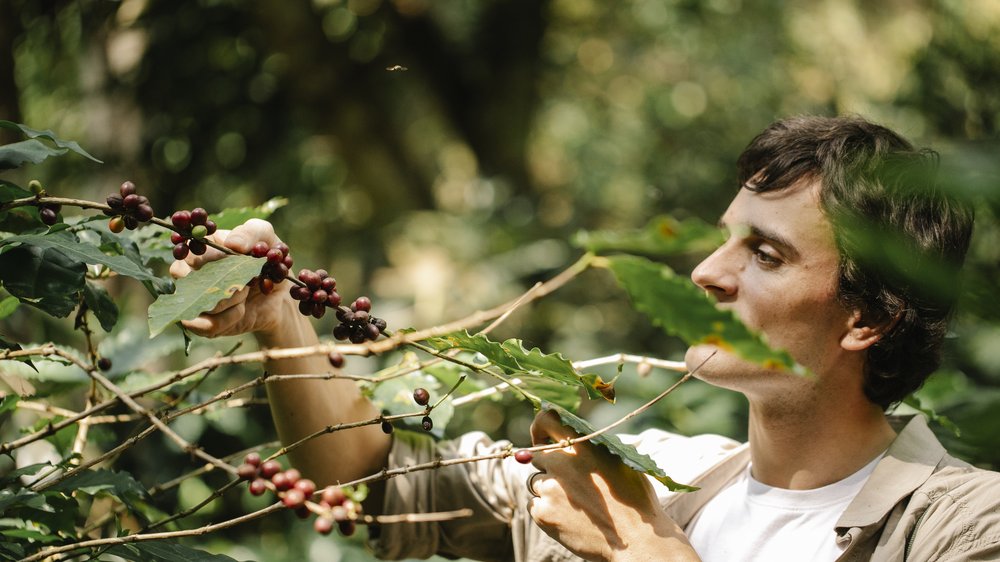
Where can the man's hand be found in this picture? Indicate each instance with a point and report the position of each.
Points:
(247, 311)
(596, 506)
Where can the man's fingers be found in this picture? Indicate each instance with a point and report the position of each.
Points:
(548, 428)
(179, 269)
(213, 325)
(239, 297)
(243, 237)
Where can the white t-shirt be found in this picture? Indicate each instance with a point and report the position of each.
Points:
(753, 521)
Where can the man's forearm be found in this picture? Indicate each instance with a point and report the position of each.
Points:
(302, 407)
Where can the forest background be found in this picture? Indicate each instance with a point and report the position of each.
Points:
(442, 156)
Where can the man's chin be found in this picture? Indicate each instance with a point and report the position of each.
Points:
(698, 356)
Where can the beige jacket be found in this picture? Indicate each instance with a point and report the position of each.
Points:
(920, 504)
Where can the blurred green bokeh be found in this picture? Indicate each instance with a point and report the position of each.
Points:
(439, 156)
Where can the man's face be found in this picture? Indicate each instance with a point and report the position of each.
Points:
(778, 272)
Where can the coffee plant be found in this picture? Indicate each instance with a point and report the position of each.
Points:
(89, 500)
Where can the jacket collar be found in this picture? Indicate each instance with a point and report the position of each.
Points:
(908, 463)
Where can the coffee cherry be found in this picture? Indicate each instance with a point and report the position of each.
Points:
(131, 222)
(523, 456)
(211, 227)
(306, 486)
(104, 364)
(310, 278)
(130, 201)
(421, 396)
(180, 219)
(333, 496)
(387, 427)
(258, 486)
(199, 231)
(144, 213)
(340, 512)
(115, 202)
(280, 481)
(372, 332)
(274, 256)
(342, 331)
(293, 476)
(346, 528)
(362, 303)
(48, 216)
(379, 323)
(336, 360)
(176, 238)
(259, 250)
(427, 423)
(270, 468)
(197, 247)
(180, 251)
(253, 459)
(283, 248)
(199, 216)
(323, 526)
(116, 224)
(247, 471)
(293, 498)
(127, 188)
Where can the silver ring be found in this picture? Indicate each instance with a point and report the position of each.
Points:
(531, 481)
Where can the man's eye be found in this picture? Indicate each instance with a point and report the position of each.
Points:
(766, 259)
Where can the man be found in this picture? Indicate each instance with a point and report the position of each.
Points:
(826, 475)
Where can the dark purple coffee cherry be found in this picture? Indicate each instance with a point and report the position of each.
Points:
(421, 396)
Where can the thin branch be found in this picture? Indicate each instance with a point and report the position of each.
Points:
(136, 407)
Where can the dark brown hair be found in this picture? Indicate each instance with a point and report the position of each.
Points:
(901, 239)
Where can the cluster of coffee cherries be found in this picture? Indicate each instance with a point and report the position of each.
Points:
(277, 266)
(317, 292)
(357, 323)
(296, 492)
(192, 228)
(128, 208)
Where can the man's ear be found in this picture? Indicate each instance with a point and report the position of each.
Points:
(862, 333)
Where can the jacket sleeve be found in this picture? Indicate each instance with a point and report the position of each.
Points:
(960, 524)
(490, 488)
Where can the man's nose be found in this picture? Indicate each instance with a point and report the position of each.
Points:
(716, 274)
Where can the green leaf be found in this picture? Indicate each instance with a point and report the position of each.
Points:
(627, 453)
(8, 402)
(83, 252)
(10, 499)
(684, 310)
(662, 236)
(43, 277)
(164, 551)
(48, 134)
(201, 290)
(18, 219)
(8, 306)
(91, 482)
(228, 219)
(4, 344)
(29, 470)
(34, 151)
(100, 303)
(537, 370)
(914, 402)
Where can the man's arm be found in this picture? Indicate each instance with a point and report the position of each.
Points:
(298, 407)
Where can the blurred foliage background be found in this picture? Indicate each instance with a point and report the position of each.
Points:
(440, 156)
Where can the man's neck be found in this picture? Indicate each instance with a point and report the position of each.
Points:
(806, 446)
